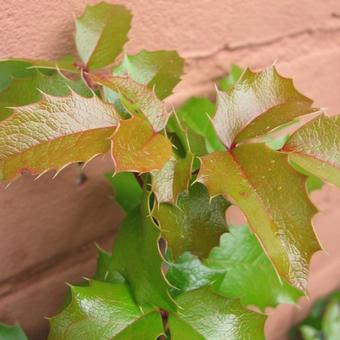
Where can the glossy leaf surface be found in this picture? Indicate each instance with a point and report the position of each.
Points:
(136, 257)
(249, 275)
(159, 70)
(204, 315)
(316, 148)
(259, 180)
(195, 223)
(172, 179)
(104, 311)
(258, 103)
(188, 272)
(138, 99)
(137, 148)
(101, 33)
(71, 129)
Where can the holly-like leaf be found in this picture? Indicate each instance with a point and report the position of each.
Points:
(159, 70)
(104, 311)
(313, 183)
(67, 63)
(257, 104)
(188, 273)
(19, 68)
(207, 316)
(137, 99)
(230, 80)
(316, 148)
(195, 125)
(136, 257)
(259, 180)
(12, 68)
(31, 88)
(195, 223)
(249, 275)
(172, 179)
(128, 192)
(11, 332)
(137, 148)
(53, 133)
(101, 33)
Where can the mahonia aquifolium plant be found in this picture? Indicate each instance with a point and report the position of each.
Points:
(177, 270)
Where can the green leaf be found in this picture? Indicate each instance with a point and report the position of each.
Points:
(195, 116)
(195, 223)
(249, 275)
(30, 89)
(276, 143)
(103, 271)
(229, 81)
(101, 33)
(189, 273)
(136, 257)
(257, 104)
(11, 332)
(172, 179)
(310, 333)
(136, 148)
(137, 99)
(260, 180)
(313, 183)
(104, 311)
(13, 68)
(128, 192)
(67, 63)
(315, 147)
(159, 70)
(71, 129)
(207, 316)
(331, 320)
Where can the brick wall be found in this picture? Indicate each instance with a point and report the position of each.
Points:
(48, 227)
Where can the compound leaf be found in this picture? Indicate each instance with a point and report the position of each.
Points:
(249, 275)
(259, 180)
(101, 33)
(53, 133)
(204, 315)
(315, 147)
(104, 311)
(195, 223)
(257, 104)
(159, 70)
(136, 257)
